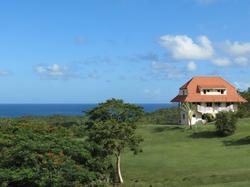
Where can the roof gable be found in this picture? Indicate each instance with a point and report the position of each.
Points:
(193, 87)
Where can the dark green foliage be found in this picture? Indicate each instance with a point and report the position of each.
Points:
(208, 117)
(111, 127)
(162, 117)
(244, 108)
(226, 123)
(47, 155)
(115, 109)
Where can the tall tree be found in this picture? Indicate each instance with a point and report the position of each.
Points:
(111, 125)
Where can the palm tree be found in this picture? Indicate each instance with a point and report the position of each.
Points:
(188, 108)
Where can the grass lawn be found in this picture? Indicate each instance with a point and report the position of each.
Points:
(175, 156)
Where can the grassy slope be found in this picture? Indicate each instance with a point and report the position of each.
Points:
(174, 156)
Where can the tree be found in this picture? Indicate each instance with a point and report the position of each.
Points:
(47, 155)
(244, 108)
(164, 116)
(226, 123)
(111, 126)
(188, 109)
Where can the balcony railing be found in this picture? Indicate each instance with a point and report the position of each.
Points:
(215, 109)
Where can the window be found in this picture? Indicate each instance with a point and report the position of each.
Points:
(203, 116)
(228, 104)
(194, 116)
(209, 104)
(217, 104)
(183, 116)
(222, 92)
(205, 91)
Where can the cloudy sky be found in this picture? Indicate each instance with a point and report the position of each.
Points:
(139, 50)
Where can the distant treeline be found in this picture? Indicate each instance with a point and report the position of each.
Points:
(166, 116)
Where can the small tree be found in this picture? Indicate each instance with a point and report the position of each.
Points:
(111, 125)
(188, 109)
(226, 123)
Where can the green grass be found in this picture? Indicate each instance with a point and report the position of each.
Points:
(177, 156)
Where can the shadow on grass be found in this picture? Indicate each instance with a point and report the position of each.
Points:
(205, 134)
(167, 128)
(242, 141)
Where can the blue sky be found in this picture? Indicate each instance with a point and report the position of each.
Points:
(141, 51)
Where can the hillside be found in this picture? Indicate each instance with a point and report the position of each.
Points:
(175, 156)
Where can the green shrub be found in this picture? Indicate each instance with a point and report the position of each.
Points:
(226, 123)
(208, 117)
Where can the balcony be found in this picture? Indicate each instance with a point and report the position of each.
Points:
(215, 109)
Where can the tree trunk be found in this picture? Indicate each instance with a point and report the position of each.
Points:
(190, 123)
(118, 168)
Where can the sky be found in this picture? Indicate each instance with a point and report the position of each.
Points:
(141, 51)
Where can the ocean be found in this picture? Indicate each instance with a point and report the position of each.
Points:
(18, 110)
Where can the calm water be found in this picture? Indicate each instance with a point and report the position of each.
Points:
(17, 110)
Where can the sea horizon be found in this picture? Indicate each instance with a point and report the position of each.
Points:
(67, 109)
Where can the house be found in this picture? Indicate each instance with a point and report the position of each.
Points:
(207, 94)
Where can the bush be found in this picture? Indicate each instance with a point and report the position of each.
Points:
(226, 123)
(208, 117)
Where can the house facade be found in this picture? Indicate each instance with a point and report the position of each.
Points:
(207, 95)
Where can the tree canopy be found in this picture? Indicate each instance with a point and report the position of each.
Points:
(244, 109)
(111, 126)
(46, 155)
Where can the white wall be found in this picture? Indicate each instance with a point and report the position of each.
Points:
(202, 109)
(196, 119)
(215, 109)
(212, 92)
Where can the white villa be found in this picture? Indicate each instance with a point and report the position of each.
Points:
(207, 95)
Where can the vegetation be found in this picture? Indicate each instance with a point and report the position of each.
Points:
(175, 156)
(77, 151)
(208, 117)
(188, 109)
(244, 109)
(226, 123)
(164, 116)
(111, 127)
(39, 154)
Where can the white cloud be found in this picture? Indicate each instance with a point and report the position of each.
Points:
(4, 73)
(153, 92)
(191, 66)
(221, 62)
(54, 71)
(242, 85)
(166, 71)
(182, 47)
(238, 48)
(242, 61)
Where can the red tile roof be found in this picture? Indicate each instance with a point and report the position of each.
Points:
(193, 87)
